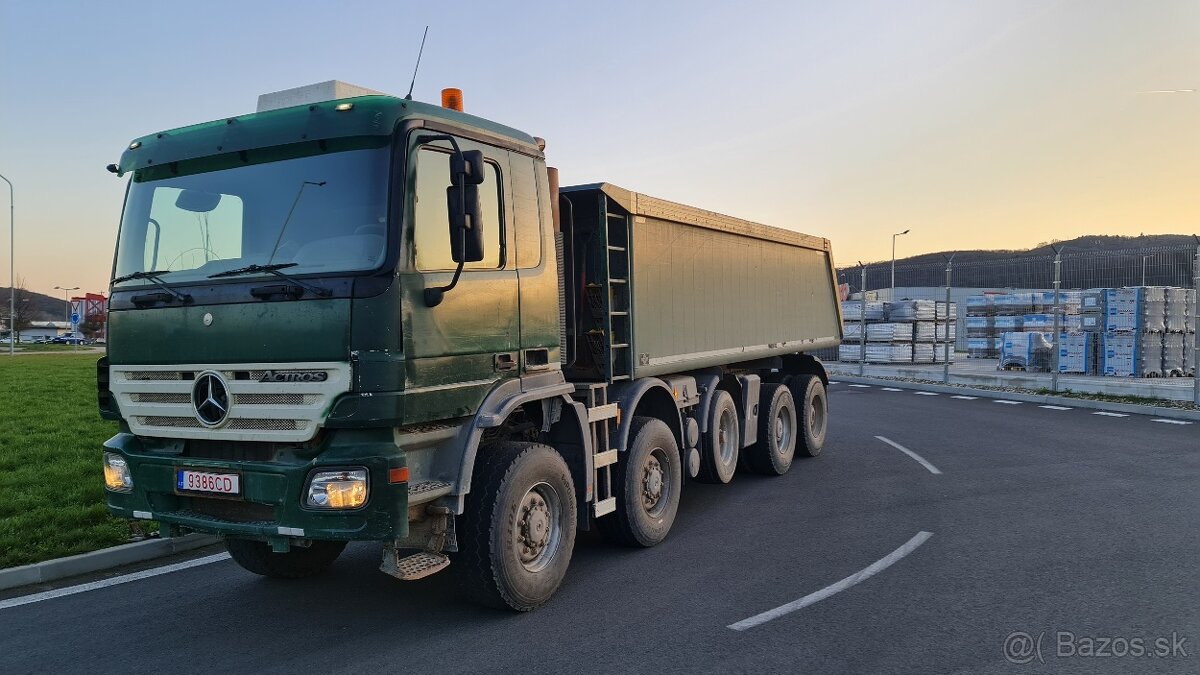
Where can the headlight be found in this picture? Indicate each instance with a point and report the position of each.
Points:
(345, 489)
(116, 473)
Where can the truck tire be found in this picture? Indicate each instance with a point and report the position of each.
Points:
(298, 563)
(646, 482)
(778, 427)
(722, 442)
(517, 532)
(813, 412)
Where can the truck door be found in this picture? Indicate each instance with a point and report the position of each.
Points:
(456, 351)
(536, 263)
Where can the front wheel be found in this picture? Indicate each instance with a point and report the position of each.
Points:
(297, 563)
(518, 530)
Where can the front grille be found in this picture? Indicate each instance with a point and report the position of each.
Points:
(275, 399)
(244, 424)
(232, 511)
(157, 397)
(231, 452)
(151, 375)
(237, 423)
(169, 422)
(157, 400)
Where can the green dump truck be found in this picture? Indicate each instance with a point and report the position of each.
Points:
(367, 318)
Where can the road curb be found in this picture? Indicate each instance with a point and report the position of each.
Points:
(96, 561)
(1046, 399)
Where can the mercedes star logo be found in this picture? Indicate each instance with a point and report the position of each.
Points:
(210, 397)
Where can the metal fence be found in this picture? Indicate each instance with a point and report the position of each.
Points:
(955, 279)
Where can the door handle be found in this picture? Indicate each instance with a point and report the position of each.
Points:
(506, 361)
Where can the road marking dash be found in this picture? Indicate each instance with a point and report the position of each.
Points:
(965, 398)
(858, 577)
(1110, 414)
(920, 460)
(1054, 407)
(105, 583)
(1006, 401)
(889, 389)
(926, 393)
(1171, 421)
(861, 386)
(834, 382)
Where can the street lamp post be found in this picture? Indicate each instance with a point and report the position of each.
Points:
(894, 261)
(12, 275)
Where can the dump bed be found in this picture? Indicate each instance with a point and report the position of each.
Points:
(656, 287)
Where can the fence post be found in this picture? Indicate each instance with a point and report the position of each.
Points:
(1196, 328)
(946, 334)
(862, 323)
(1057, 309)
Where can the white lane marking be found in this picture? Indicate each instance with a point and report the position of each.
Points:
(1006, 401)
(965, 398)
(1054, 407)
(105, 583)
(1171, 421)
(834, 382)
(920, 460)
(1110, 414)
(812, 598)
(889, 389)
(925, 393)
(861, 386)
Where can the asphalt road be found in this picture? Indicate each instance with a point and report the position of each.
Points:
(1046, 522)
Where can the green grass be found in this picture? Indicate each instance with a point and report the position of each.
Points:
(30, 347)
(51, 483)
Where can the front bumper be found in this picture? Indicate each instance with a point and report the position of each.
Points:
(272, 492)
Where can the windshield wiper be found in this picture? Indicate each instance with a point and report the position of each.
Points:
(273, 269)
(153, 277)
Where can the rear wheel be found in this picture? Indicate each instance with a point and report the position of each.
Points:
(297, 563)
(646, 483)
(813, 412)
(518, 530)
(722, 442)
(777, 430)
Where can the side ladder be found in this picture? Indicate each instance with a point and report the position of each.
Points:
(603, 418)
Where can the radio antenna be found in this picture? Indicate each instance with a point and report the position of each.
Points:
(419, 52)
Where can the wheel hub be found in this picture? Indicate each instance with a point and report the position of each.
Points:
(533, 527)
(652, 483)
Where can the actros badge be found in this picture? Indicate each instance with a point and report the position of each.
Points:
(294, 376)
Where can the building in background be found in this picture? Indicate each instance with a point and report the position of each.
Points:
(43, 330)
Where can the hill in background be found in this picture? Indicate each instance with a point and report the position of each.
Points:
(43, 307)
(1094, 261)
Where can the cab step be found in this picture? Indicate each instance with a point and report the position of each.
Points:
(427, 491)
(413, 567)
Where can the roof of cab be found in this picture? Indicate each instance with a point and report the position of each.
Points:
(367, 116)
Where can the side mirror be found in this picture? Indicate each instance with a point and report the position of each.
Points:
(469, 163)
(466, 224)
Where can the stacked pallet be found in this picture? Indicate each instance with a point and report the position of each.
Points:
(1029, 351)
(905, 331)
(991, 316)
(1124, 332)
(1147, 332)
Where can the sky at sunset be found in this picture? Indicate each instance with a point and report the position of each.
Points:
(982, 124)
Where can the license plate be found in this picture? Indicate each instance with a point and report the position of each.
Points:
(204, 481)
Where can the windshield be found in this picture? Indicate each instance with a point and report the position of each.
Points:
(325, 213)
